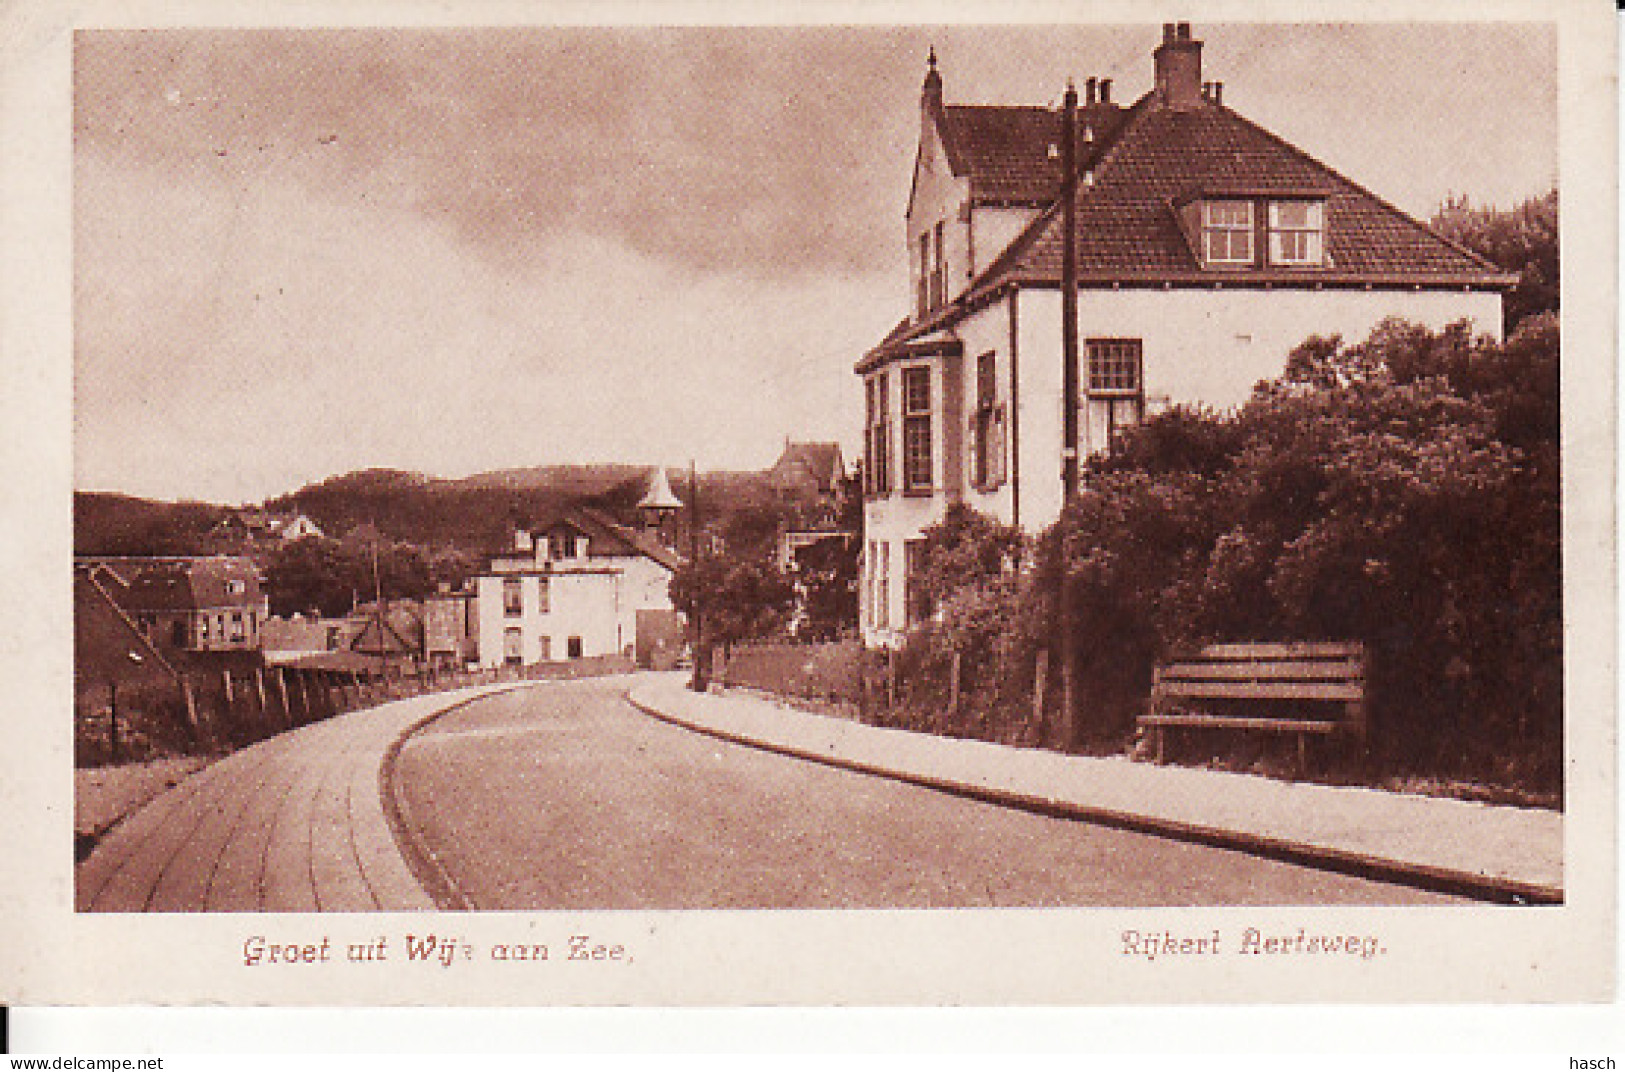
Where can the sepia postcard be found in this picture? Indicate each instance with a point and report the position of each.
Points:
(859, 504)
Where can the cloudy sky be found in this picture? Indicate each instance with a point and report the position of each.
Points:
(303, 252)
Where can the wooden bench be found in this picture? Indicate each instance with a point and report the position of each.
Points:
(1316, 688)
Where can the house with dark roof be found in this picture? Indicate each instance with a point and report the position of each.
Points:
(209, 603)
(1205, 248)
(582, 586)
(109, 647)
(815, 467)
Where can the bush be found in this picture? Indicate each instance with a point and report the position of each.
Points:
(1403, 492)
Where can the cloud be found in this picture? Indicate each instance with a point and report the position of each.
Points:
(274, 339)
(302, 251)
(757, 139)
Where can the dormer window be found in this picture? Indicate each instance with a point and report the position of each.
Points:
(1296, 229)
(1237, 230)
(1227, 232)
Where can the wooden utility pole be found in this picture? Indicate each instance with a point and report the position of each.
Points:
(378, 609)
(1066, 626)
(701, 679)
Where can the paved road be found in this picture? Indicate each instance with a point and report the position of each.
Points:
(565, 796)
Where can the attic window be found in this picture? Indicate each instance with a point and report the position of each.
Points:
(1296, 229)
(1227, 232)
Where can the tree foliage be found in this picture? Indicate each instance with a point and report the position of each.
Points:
(1403, 491)
(738, 597)
(1524, 240)
(826, 580)
(316, 575)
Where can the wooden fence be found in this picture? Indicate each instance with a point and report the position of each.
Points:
(210, 711)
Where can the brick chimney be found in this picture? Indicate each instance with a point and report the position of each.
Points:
(1178, 68)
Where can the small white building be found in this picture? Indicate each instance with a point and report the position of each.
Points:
(1206, 249)
(573, 590)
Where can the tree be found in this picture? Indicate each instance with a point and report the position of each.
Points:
(827, 579)
(1403, 491)
(1523, 240)
(738, 598)
(311, 576)
(316, 575)
(963, 550)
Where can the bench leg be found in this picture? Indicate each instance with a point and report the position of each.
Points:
(1303, 754)
(1159, 732)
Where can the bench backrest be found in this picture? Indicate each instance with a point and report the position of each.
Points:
(1322, 671)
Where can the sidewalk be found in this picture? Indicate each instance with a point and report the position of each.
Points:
(1480, 850)
(295, 823)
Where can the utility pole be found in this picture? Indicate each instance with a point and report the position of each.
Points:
(701, 679)
(1066, 612)
(378, 610)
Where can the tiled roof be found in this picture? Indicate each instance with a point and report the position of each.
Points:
(1128, 229)
(1006, 150)
(820, 461)
(608, 537)
(195, 584)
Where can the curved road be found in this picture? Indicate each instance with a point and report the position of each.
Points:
(565, 796)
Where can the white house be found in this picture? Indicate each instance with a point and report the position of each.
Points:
(570, 591)
(1206, 249)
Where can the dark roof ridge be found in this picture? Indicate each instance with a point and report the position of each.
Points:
(129, 623)
(637, 541)
(1310, 158)
(1008, 107)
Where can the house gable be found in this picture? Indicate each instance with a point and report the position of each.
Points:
(1131, 226)
(1207, 248)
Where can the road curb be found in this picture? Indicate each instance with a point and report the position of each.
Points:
(420, 858)
(1323, 857)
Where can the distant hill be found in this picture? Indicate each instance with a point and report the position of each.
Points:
(474, 514)
(107, 523)
(584, 480)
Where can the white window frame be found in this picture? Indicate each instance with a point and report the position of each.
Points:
(988, 431)
(1117, 399)
(914, 418)
(877, 468)
(1216, 223)
(1312, 234)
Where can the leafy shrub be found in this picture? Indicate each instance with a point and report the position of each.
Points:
(1404, 491)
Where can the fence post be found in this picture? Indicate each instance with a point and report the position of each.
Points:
(228, 717)
(265, 706)
(282, 693)
(112, 721)
(891, 681)
(191, 711)
(953, 690)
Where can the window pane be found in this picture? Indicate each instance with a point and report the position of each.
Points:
(1295, 247)
(917, 390)
(917, 452)
(1114, 366)
(1299, 215)
(1229, 213)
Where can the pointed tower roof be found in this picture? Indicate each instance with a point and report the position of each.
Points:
(659, 495)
